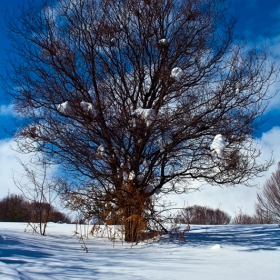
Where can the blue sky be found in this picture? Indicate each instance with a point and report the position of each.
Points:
(258, 22)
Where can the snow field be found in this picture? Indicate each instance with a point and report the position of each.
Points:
(210, 252)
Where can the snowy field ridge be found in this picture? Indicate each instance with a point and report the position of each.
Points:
(210, 252)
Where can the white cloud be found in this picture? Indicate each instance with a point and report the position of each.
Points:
(8, 163)
(10, 167)
(232, 198)
(7, 110)
(273, 48)
(274, 103)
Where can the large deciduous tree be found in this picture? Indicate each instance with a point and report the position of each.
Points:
(133, 98)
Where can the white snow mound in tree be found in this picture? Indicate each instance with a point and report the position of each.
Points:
(146, 114)
(64, 108)
(131, 176)
(100, 150)
(162, 41)
(87, 107)
(177, 73)
(113, 41)
(218, 145)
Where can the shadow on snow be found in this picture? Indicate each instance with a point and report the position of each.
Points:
(11, 251)
(251, 237)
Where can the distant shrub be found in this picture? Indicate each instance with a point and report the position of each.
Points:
(261, 216)
(15, 208)
(203, 215)
(244, 219)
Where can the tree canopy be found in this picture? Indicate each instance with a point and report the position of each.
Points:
(134, 98)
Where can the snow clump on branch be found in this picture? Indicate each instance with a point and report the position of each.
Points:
(100, 151)
(64, 108)
(162, 41)
(177, 73)
(87, 107)
(131, 176)
(218, 145)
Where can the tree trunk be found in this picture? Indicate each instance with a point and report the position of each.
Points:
(134, 224)
(131, 232)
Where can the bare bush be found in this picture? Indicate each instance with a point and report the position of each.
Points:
(203, 215)
(15, 208)
(244, 219)
(41, 189)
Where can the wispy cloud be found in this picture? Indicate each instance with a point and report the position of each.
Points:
(10, 168)
(8, 163)
(7, 110)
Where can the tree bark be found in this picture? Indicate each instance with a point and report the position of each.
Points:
(133, 226)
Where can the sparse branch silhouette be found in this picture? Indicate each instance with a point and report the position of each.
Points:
(268, 204)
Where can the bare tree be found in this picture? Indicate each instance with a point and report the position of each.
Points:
(41, 189)
(242, 218)
(134, 98)
(263, 216)
(268, 205)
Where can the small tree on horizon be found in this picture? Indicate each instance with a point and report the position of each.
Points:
(40, 187)
(137, 98)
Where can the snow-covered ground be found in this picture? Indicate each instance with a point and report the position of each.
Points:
(210, 252)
